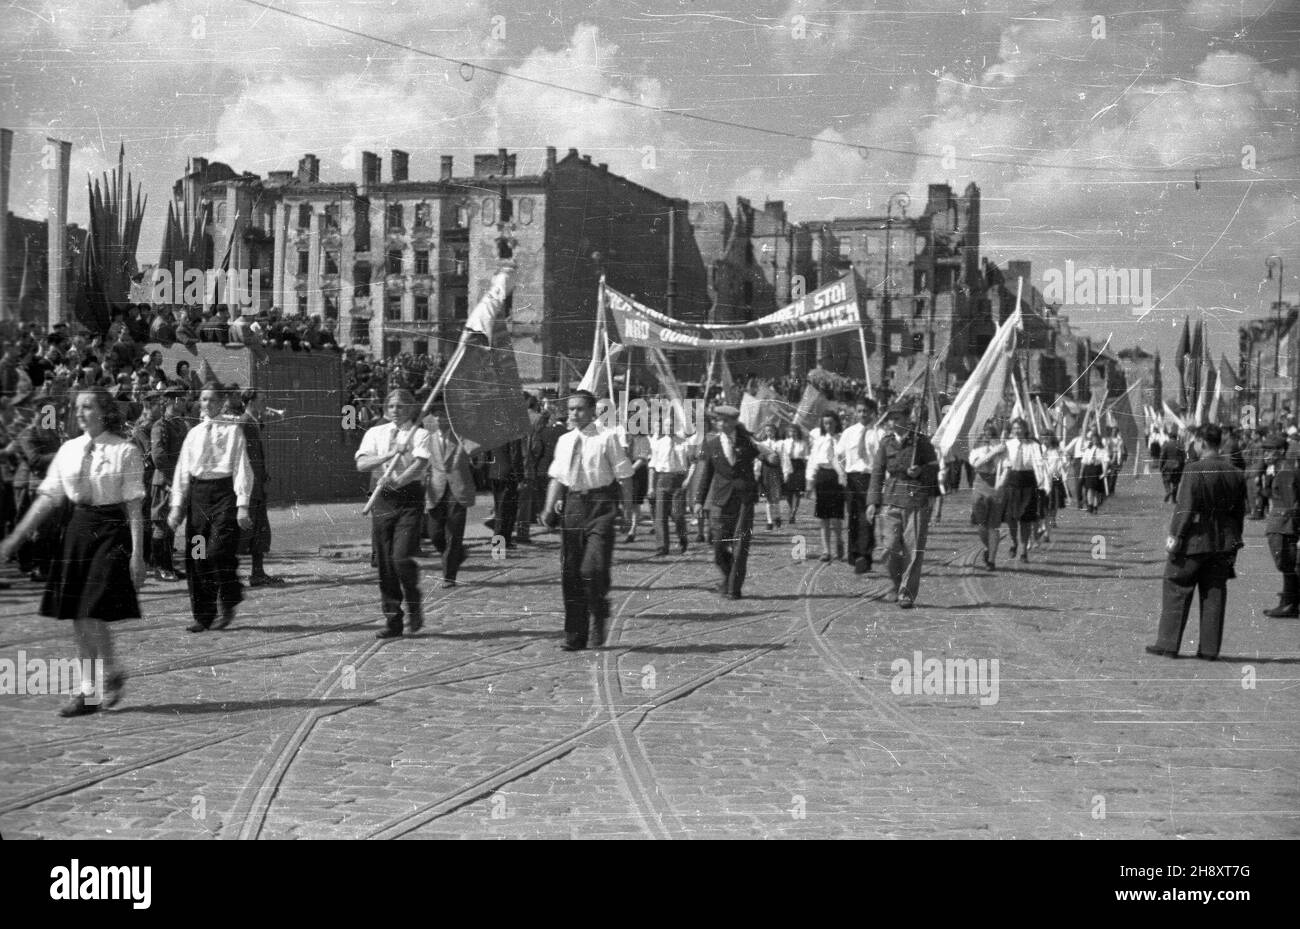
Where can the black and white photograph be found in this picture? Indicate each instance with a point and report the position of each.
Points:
(651, 419)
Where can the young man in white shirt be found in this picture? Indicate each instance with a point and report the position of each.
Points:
(858, 446)
(588, 472)
(210, 492)
(399, 450)
(670, 458)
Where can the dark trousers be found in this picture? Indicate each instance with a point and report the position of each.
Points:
(211, 547)
(1283, 549)
(505, 495)
(7, 507)
(447, 530)
(670, 500)
(1171, 479)
(1076, 478)
(163, 540)
(395, 535)
(586, 551)
(733, 528)
(1184, 576)
(527, 511)
(862, 531)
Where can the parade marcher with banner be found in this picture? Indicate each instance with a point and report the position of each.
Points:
(904, 483)
(858, 446)
(1283, 526)
(94, 580)
(825, 473)
(1057, 474)
(211, 488)
(986, 500)
(589, 470)
(729, 488)
(671, 456)
(1205, 535)
(450, 491)
(794, 464)
(165, 441)
(1095, 460)
(401, 447)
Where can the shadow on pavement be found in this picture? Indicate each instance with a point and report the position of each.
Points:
(236, 706)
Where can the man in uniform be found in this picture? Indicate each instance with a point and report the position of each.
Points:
(1204, 537)
(587, 474)
(1283, 523)
(165, 441)
(904, 483)
(1172, 461)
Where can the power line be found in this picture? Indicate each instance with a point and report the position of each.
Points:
(731, 124)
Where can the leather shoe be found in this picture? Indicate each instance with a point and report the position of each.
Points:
(904, 603)
(114, 685)
(1207, 657)
(388, 633)
(1282, 611)
(596, 633)
(78, 706)
(891, 597)
(265, 580)
(661, 551)
(414, 623)
(225, 619)
(681, 547)
(196, 627)
(1162, 652)
(861, 566)
(574, 645)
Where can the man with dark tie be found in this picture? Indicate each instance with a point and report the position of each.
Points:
(165, 441)
(450, 491)
(904, 483)
(1204, 537)
(729, 487)
(211, 489)
(858, 446)
(589, 470)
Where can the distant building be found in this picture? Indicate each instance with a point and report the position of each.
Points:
(1269, 369)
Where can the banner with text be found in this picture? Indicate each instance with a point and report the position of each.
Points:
(827, 311)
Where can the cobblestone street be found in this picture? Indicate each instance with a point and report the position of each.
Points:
(772, 716)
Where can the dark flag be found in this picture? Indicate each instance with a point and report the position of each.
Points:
(1180, 362)
(484, 395)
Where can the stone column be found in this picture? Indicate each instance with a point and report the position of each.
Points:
(57, 231)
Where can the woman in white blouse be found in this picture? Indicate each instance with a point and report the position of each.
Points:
(102, 564)
(825, 472)
(1095, 459)
(794, 461)
(1023, 473)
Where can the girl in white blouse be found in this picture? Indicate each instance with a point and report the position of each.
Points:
(102, 564)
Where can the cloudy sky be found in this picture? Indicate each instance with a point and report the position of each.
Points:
(1087, 126)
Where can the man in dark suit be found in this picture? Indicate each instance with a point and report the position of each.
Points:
(1172, 461)
(904, 483)
(505, 473)
(165, 441)
(729, 488)
(1283, 523)
(250, 409)
(1204, 536)
(450, 491)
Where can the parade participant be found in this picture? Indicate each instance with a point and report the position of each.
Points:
(986, 499)
(1057, 472)
(38, 443)
(1172, 461)
(1116, 456)
(1021, 479)
(1073, 451)
(165, 441)
(140, 434)
(825, 472)
(857, 447)
(399, 506)
(1205, 534)
(533, 449)
(904, 482)
(249, 410)
(1095, 459)
(770, 478)
(450, 491)
(211, 487)
(671, 456)
(1257, 477)
(94, 582)
(794, 463)
(729, 488)
(505, 474)
(1283, 526)
(638, 452)
(589, 470)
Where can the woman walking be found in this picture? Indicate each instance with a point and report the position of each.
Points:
(1024, 467)
(987, 502)
(794, 462)
(769, 475)
(825, 472)
(101, 565)
(1095, 459)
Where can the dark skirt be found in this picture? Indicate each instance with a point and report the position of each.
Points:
(1092, 478)
(830, 495)
(987, 503)
(1057, 494)
(796, 483)
(92, 578)
(1021, 497)
(771, 483)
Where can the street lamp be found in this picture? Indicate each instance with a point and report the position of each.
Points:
(1270, 262)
